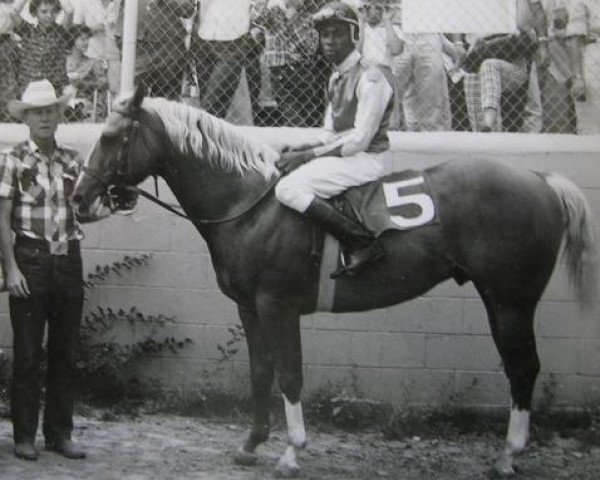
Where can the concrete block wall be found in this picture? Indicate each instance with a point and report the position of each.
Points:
(432, 350)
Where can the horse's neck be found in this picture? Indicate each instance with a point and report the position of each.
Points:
(209, 193)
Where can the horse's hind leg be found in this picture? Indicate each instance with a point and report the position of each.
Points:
(512, 330)
(261, 376)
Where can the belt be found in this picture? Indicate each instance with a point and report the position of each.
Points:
(44, 245)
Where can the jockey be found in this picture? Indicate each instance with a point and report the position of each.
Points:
(355, 135)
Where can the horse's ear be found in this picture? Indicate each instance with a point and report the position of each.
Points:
(138, 97)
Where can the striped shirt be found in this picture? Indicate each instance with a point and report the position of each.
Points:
(43, 55)
(287, 40)
(40, 187)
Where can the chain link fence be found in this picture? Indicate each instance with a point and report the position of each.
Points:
(258, 61)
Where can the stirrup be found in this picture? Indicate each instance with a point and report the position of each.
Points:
(359, 259)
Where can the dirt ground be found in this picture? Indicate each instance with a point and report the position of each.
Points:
(170, 447)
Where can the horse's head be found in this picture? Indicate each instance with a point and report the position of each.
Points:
(122, 156)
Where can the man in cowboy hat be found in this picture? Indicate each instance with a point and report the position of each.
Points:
(356, 122)
(43, 270)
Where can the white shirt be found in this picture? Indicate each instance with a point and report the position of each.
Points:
(374, 93)
(375, 48)
(94, 13)
(584, 18)
(224, 20)
(7, 18)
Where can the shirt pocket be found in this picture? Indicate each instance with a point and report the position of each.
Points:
(30, 189)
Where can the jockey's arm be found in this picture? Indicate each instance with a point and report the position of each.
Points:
(374, 94)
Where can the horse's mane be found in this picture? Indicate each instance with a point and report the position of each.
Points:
(192, 130)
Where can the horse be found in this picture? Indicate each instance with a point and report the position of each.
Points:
(502, 228)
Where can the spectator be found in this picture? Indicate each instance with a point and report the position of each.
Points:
(497, 78)
(455, 79)
(45, 46)
(583, 33)
(86, 74)
(291, 44)
(9, 16)
(421, 87)
(224, 43)
(161, 53)
(380, 39)
(421, 83)
(43, 271)
(558, 105)
(101, 17)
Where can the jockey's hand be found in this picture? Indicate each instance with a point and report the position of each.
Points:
(297, 148)
(290, 161)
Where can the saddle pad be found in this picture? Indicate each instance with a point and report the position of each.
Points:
(400, 201)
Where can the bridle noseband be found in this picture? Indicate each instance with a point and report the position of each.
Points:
(123, 157)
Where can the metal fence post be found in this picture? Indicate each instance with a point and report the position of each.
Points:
(130, 19)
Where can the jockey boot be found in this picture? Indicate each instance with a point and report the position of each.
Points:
(364, 247)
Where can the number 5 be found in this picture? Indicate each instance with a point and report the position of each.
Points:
(393, 198)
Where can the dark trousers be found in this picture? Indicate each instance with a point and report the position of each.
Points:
(299, 90)
(219, 68)
(56, 286)
(160, 68)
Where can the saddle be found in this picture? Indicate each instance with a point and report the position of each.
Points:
(399, 201)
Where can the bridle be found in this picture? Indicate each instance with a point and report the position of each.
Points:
(124, 169)
(123, 157)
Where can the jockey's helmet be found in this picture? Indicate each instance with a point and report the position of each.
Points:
(337, 12)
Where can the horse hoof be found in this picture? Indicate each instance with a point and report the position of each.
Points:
(283, 470)
(244, 458)
(504, 468)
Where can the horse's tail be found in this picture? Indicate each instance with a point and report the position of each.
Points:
(579, 247)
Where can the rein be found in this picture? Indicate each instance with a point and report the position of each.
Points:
(202, 221)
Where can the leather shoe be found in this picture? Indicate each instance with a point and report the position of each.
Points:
(26, 451)
(66, 448)
(359, 259)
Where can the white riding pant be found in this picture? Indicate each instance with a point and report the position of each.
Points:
(326, 177)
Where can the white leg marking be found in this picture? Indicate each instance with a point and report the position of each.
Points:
(518, 430)
(516, 440)
(287, 466)
(295, 423)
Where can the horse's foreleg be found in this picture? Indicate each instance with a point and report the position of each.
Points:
(261, 375)
(514, 337)
(283, 326)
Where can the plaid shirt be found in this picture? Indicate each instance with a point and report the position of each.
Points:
(43, 55)
(40, 187)
(287, 41)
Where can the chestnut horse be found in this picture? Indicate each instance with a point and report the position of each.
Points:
(501, 228)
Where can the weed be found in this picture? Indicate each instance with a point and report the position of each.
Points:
(105, 365)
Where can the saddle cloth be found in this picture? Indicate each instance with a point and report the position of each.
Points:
(400, 201)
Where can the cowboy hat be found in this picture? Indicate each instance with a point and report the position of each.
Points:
(37, 94)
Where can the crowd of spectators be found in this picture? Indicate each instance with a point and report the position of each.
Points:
(204, 50)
